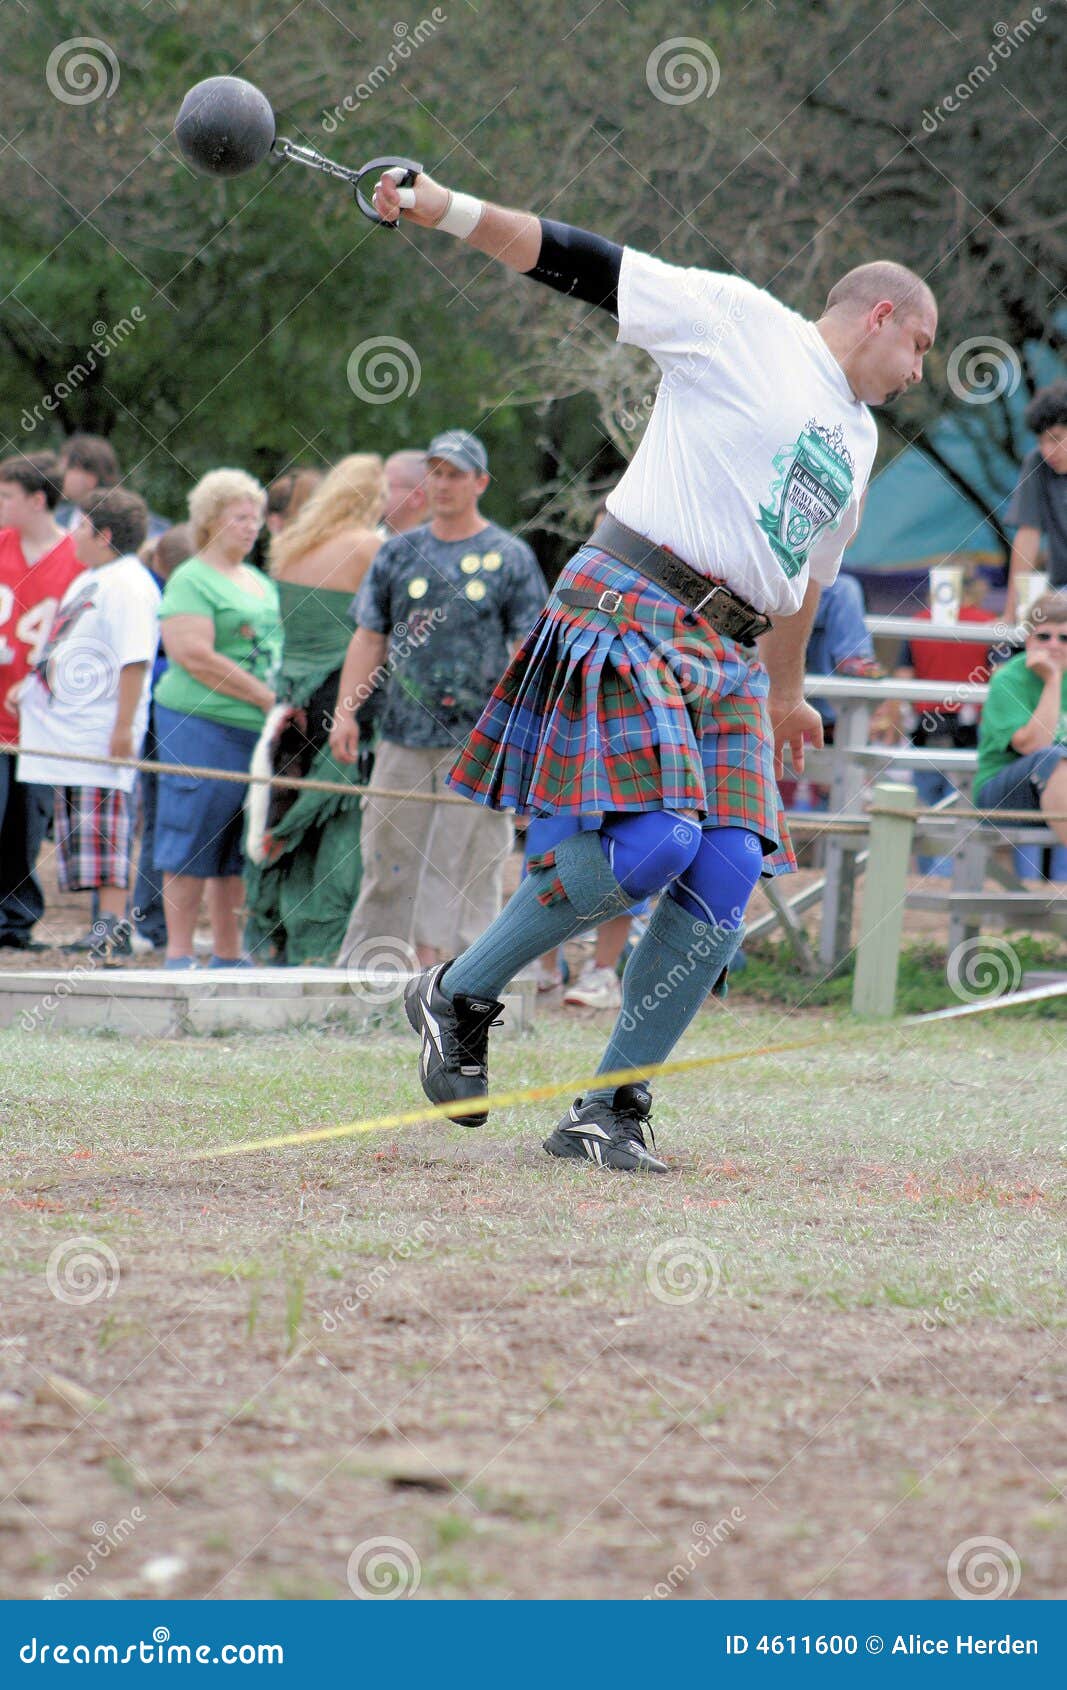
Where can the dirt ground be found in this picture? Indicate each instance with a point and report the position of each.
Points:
(815, 1360)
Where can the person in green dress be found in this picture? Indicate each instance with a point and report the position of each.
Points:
(303, 864)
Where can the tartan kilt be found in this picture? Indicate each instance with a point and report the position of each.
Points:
(633, 710)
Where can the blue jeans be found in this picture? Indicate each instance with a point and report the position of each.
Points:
(24, 812)
(200, 823)
(148, 890)
(1019, 785)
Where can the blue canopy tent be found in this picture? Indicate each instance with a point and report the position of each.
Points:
(928, 506)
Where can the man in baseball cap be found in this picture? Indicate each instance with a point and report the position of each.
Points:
(437, 616)
(458, 447)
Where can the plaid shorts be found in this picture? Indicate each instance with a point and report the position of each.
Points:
(92, 826)
(635, 709)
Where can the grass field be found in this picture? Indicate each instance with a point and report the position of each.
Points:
(816, 1359)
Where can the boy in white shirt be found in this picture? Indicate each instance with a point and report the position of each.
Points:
(88, 697)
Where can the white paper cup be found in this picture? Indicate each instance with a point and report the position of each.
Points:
(946, 591)
(1030, 588)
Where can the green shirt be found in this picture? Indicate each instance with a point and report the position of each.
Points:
(248, 631)
(1014, 694)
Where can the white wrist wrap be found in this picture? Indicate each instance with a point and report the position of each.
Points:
(463, 215)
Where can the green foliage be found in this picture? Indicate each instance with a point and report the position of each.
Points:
(809, 154)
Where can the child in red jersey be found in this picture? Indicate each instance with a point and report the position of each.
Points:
(38, 562)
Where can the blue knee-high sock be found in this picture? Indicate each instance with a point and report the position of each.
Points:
(683, 955)
(587, 878)
(577, 878)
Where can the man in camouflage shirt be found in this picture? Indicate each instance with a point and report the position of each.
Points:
(437, 617)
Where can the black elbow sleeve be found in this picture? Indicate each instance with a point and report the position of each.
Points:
(577, 262)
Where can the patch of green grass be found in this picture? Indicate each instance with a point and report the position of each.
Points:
(294, 1309)
(772, 976)
(452, 1528)
(121, 1473)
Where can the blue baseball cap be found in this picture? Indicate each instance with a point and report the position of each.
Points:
(458, 447)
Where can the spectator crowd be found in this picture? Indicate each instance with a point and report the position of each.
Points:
(346, 626)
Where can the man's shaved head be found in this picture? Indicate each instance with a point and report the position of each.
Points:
(407, 465)
(859, 290)
(879, 322)
(405, 491)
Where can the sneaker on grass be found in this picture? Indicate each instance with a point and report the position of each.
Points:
(611, 1135)
(454, 1060)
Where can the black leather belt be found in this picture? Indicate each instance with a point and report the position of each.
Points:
(728, 614)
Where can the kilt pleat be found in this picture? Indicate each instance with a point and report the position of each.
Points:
(632, 710)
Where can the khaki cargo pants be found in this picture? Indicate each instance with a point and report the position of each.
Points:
(432, 873)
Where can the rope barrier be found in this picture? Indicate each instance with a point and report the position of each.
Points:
(800, 821)
(148, 767)
(621, 1077)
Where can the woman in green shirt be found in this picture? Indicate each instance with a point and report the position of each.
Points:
(222, 635)
(1022, 739)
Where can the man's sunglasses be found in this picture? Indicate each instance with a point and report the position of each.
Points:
(1045, 638)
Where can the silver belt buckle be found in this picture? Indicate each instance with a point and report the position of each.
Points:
(717, 588)
(602, 601)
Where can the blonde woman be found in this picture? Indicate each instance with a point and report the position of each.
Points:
(303, 864)
(222, 636)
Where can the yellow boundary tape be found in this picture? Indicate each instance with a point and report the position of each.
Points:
(619, 1077)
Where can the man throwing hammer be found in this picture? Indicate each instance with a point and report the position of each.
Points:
(663, 681)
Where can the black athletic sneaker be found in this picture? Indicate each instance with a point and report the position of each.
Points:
(609, 1134)
(454, 1061)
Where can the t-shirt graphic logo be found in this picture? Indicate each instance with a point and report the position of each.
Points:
(813, 486)
(67, 617)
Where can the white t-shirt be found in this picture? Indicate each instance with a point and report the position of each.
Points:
(757, 452)
(107, 618)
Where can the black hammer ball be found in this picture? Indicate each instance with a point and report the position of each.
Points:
(225, 126)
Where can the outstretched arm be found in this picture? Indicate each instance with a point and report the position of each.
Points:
(572, 261)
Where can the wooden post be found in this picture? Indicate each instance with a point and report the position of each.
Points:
(874, 990)
(851, 732)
